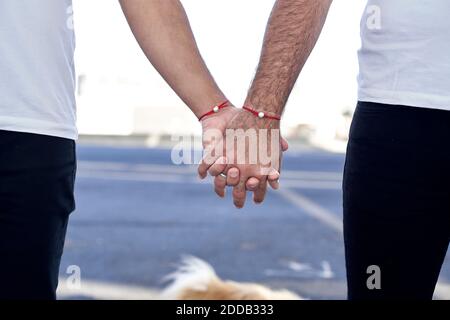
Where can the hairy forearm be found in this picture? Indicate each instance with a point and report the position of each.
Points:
(293, 29)
(162, 29)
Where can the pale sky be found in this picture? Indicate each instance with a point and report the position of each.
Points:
(229, 34)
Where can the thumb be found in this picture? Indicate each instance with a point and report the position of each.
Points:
(284, 145)
(273, 178)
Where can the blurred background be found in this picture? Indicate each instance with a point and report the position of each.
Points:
(138, 213)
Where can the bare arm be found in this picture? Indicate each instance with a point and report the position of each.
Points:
(291, 35)
(162, 29)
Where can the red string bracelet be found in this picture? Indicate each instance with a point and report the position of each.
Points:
(215, 109)
(261, 114)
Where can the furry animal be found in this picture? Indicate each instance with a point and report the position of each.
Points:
(195, 279)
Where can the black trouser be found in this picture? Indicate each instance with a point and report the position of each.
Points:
(396, 200)
(37, 176)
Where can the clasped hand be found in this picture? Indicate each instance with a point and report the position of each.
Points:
(243, 152)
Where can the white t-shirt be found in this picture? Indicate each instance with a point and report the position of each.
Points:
(37, 78)
(405, 54)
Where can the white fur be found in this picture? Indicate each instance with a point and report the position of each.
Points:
(196, 274)
(193, 273)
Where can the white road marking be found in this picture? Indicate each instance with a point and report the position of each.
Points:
(121, 166)
(442, 291)
(178, 174)
(313, 175)
(311, 184)
(180, 179)
(329, 219)
(106, 291)
(303, 270)
(312, 209)
(327, 272)
(192, 169)
(175, 174)
(134, 176)
(298, 267)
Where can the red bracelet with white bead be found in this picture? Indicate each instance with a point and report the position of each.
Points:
(262, 114)
(215, 109)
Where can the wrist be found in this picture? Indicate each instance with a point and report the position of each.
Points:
(268, 103)
(213, 110)
(261, 113)
(205, 102)
(224, 115)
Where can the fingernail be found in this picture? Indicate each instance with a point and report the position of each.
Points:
(234, 174)
(256, 201)
(275, 172)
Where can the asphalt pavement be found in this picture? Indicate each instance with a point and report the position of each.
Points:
(138, 214)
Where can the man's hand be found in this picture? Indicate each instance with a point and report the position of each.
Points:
(247, 155)
(215, 161)
(259, 157)
(293, 29)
